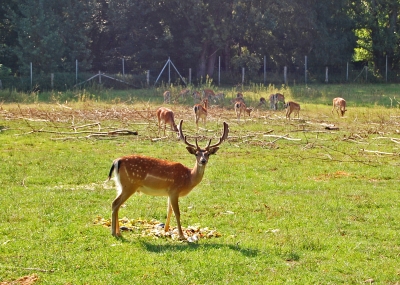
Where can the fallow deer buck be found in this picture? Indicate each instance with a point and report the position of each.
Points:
(166, 116)
(200, 112)
(157, 177)
(292, 107)
(339, 104)
(167, 97)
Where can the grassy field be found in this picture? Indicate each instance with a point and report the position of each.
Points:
(292, 201)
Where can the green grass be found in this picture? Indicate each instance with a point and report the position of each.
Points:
(319, 210)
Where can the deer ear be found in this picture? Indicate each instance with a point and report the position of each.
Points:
(213, 150)
(191, 150)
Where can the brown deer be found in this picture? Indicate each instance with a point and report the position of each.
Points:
(262, 102)
(292, 107)
(208, 94)
(184, 93)
(196, 96)
(240, 108)
(274, 99)
(166, 116)
(157, 177)
(339, 104)
(200, 112)
(167, 97)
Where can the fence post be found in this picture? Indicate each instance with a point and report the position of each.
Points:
(219, 70)
(242, 75)
(347, 72)
(1, 85)
(148, 78)
(386, 68)
(169, 71)
(190, 76)
(123, 67)
(99, 77)
(265, 69)
(31, 76)
(76, 72)
(305, 70)
(52, 80)
(366, 73)
(326, 74)
(285, 75)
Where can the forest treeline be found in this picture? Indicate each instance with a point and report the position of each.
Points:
(52, 35)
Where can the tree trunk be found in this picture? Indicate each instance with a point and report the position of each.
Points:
(201, 68)
(211, 63)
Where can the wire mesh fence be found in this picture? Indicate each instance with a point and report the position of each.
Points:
(124, 74)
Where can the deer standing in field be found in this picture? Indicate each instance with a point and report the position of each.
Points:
(166, 116)
(274, 99)
(240, 108)
(200, 112)
(167, 97)
(339, 104)
(157, 177)
(292, 107)
(219, 97)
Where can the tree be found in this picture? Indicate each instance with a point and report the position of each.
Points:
(51, 34)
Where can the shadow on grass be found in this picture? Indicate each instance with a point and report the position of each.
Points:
(187, 247)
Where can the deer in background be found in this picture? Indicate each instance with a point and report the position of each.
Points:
(157, 177)
(167, 97)
(240, 108)
(200, 112)
(207, 94)
(262, 102)
(196, 96)
(274, 99)
(184, 93)
(339, 104)
(292, 107)
(166, 116)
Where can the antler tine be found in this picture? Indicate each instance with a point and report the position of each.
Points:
(182, 137)
(222, 138)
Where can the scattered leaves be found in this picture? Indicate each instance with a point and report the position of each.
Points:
(25, 280)
(155, 229)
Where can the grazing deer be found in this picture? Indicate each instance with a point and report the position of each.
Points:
(292, 107)
(167, 97)
(157, 177)
(207, 94)
(262, 102)
(184, 93)
(218, 97)
(240, 108)
(196, 96)
(339, 104)
(274, 99)
(165, 116)
(248, 111)
(200, 112)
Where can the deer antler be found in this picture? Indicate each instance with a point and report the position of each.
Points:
(221, 139)
(183, 138)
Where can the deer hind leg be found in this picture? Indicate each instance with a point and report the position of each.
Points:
(123, 194)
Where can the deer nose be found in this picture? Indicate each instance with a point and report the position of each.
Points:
(203, 160)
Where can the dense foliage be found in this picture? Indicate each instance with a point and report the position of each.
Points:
(195, 33)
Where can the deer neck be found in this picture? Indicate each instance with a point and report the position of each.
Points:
(197, 173)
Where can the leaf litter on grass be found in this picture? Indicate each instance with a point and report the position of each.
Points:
(155, 229)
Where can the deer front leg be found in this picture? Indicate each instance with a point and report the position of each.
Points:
(169, 213)
(175, 206)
